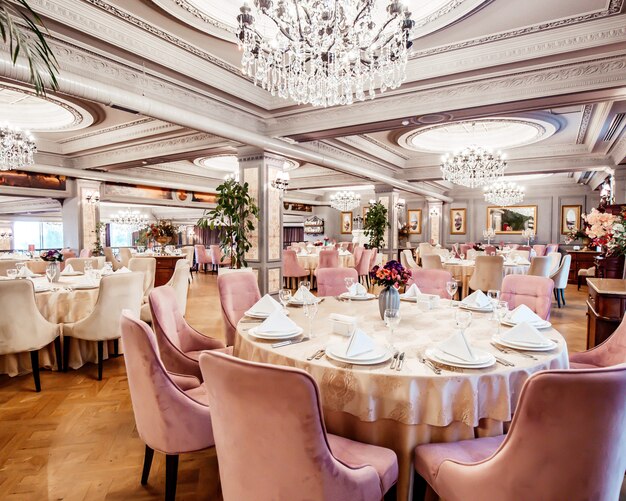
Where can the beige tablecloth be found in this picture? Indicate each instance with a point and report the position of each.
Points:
(312, 261)
(463, 271)
(400, 410)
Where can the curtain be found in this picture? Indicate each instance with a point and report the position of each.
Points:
(292, 234)
(206, 236)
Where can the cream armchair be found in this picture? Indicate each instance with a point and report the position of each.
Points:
(125, 256)
(117, 292)
(180, 283)
(108, 255)
(146, 265)
(78, 263)
(22, 327)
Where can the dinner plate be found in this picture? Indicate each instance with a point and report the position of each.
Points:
(336, 351)
(413, 299)
(300, 302)
(367, 297)
(549, 345)
(436, 355)
(252, 314)
(487, 309)
(72, 274)
(544, 324)
(83, 286)
(43, 288)
(266, 335)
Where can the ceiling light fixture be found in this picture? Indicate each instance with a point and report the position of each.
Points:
(345, 200)
(6, 235)
(504, 194)
(135, 219)
(281, 181)
(325, 53)
(93, 198)
(17, 148)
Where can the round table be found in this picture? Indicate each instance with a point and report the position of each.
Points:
(399, 410)
(464, 270)
(310, 262)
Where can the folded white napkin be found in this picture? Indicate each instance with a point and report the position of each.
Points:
(266, 305)
(68, 270)
(523, 314)
(123, 269)
(25, 272)
(477, 299)
(412, 291)
(457, 345)
(357, 290)
(359, 343)
(524, 333)
(344, 325)
(304, 295)
(277, 323)
(453, 260)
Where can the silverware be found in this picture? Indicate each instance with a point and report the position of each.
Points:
(290, 341)
(394, 360)
(320, 354)
(401, 362)
(430, 365)
(513, 351)
(311, 357)
(504, 362)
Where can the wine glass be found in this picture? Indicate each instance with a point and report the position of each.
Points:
(306, 284)
(349, 282)
(462, 256)
(392, 320)
(19, 267)
(501, 309)
(463, 319)
(51, 272)
(12, 273)
(494, 297)
(451, 288)
(108, 268)
(310, 311)
(285, 296)
(88, 266)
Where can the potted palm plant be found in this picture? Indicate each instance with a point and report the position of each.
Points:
(234, 218)
(375, 225)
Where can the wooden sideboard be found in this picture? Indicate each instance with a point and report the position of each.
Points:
(605, 308)
(609, 267)
(165, 269)
(580, 260)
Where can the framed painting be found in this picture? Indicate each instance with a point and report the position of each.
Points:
(346, 223)
(458, 221)
(415, 221)
(512, 220)
(366, 209)
(570, 218)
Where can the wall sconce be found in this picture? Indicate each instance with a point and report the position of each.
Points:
(400, 203)
(93, 198)
(281, 181)
(434, 212)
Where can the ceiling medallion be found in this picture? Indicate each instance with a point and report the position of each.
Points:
(17, 148)
(504, 194)
(473, 166)
(325, 53)
(345, 200)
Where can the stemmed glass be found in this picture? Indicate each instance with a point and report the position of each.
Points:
(462, 256)
(501, 309)
(87, 267)
(306, 284)
(19, 267)
(51, 272)
(310, 311)
(285, 296)
(494, 297)
(463, 319)
(392, 320)
(12, 273)
(451, 288)
(349, 282)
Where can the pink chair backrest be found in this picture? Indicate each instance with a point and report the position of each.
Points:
(540, 250)
(431, 281)
(363, 268)
(464, 248)
(490, 250)
(610, 352)
(166, 317)
(328, 259)
(350, 247)
(201, 254)
(238, 292)
(291, 267)
(216, 254)
(276, 412)
(67, 253)
(358, 253)
(158, 404)
(330, 281)
(524, 247)
(86, 253)
(534, 292)
(373, 257)
(551, 248)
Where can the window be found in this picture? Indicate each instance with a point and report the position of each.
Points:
(121, 235)
(43, 235)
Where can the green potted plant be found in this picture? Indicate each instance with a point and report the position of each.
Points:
(375, 225)
(97, 245)
(234, 217)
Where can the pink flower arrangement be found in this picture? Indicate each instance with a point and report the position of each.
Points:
(393, 274)
(599, 226)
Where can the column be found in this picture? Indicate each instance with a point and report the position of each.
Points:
(80, 215)
(258, 168)
(388, 196)
(619, 186)
(435, 220)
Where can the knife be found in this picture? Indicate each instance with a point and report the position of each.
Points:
(401, 362)
(290, 341)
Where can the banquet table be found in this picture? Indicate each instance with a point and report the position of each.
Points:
(63, 304)
(464, 270)
(402, 409)
(310, 262)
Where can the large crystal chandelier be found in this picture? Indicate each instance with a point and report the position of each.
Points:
(345, 200)
(325, 52)
(134, 219)
(473, 166)
(504, 194)
(17, 148)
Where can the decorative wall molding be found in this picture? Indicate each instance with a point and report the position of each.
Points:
(384, 146)
(105, 130)
(584, 123)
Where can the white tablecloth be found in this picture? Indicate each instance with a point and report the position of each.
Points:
(311, 261)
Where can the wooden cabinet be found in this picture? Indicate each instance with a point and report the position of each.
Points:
(580, 260)
(609, 267)
(165, 269)
(605, 308)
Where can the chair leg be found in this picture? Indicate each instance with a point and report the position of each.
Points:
(57, 351)
(100, 357)
(116, 347)
(147, 463)
(563, 296)
(66, 353)
(558, 298)
(171, 474)
(34, 361)
(578, 282)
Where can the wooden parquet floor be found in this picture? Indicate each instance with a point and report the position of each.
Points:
(76, 440)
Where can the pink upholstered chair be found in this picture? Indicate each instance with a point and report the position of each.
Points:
(180, 344)
(288, 455)
(551, 248)
(363, 266)
(490, 250)
(350, 247)
(330, 281)
(610, 352)
(328, 259)
(534, 292)
(291, 268)
(238, 292)
(67, 253)
(431, 281)
(358, 253)
(566, 442)
(85, 253)
(171, 411)
(540, 250)
(524, 248)
(218, 258)
(464, 248)
(202, 257)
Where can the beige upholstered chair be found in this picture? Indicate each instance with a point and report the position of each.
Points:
(180, 283)
(555, 262)
(7, 264)
(78, 263)
(37, 266)
(425, 249)
(560, 277)
(147, 265)
(22, 327)
(585, 273)
(487, 274)
(432, 262)
(119, 291)
(125, 256)
(407, 259)
(108, 255)
(188, 251)
(540, 267)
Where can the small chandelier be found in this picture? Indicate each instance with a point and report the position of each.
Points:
(504, 194)
(281, 181)
(325, 53)
(17, 148)
(6, 235)
(93, 198)
(345, 200)
(133, 219)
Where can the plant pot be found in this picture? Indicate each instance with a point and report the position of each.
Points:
(163, 240)
(586, 241)
(389, 298)
(56, 275)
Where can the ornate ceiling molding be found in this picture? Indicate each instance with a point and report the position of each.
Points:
(384, 146)
(584, 123)
(105, 130)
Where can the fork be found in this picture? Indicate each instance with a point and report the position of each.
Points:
(430, 365)
(504, 362)
(311, 357)
(400, 361)
(512, 351)
(394, 360)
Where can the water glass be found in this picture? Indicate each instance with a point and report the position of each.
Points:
(451, 288)
(463, 319)
(423, 304)
(51, 271)
(285, 296)
(306, 284)
(392, 320)
(349, 282)
(501, 311)
(310, 312)
(108, 268)
(494, 297)
(462, 256)
(19, 266)
(12, 273)
(88, 265)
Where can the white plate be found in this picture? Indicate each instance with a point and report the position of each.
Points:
(264, 335)
(543, 325)
(433, 354)
(367, 297)
(73, 274)
(43, 288)
(487, 309)
(252, 314)
(550, 345)
(336, 352)
(300, 302)
(83, 286)
(431, 297)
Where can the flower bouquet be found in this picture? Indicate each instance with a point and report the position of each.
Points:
(51, 255)
(599, 227)
(162, 231)
(392, 274)
(318, 243)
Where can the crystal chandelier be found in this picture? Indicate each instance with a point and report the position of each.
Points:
(473, 166)
(17, 148)
(345, 200)
(504, 194)
(136, 220)
(281, 181)
(325, 52)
